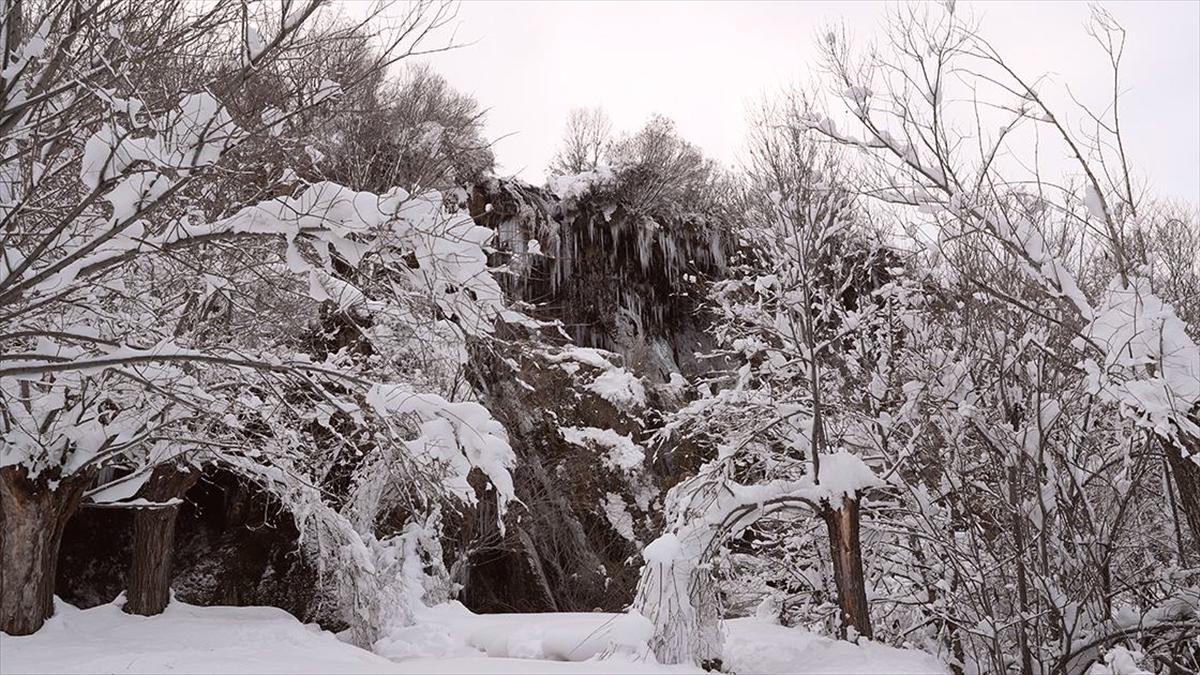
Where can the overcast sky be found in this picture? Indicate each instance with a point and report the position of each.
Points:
(703, 63)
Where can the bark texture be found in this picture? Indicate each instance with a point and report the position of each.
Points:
(32, 518)
(154, 540)
(1181, 453)
(846, 549)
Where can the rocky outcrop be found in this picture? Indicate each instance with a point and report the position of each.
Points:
(597, 276)
(618, 280)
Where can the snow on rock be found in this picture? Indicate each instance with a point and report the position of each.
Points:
(618, 515)
(619, 387)
(572, 188)
(184, 639)
(596, 358)
(623, 454)
(615, 384)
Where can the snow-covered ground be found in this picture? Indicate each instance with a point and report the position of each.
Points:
(755, 646)
(447, 639)
(184, 639)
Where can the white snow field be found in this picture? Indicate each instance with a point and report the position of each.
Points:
(446, 639)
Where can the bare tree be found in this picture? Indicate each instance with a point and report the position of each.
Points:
(418, 133)
(658, 171)
(797, 321)
(939, 118)
(585, 142)
(989, 200)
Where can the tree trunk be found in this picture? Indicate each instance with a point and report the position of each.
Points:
(846, 549)
(1186, 472)
(154, 540)
(32, 518)
(11, 36)
(1018, 532)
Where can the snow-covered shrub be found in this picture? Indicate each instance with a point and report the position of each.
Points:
(179, 296)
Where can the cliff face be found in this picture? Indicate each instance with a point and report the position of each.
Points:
(597, 276)
(617, 280)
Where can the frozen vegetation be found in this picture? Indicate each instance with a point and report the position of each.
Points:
(291, 381)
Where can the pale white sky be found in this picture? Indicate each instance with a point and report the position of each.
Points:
(703, 64)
